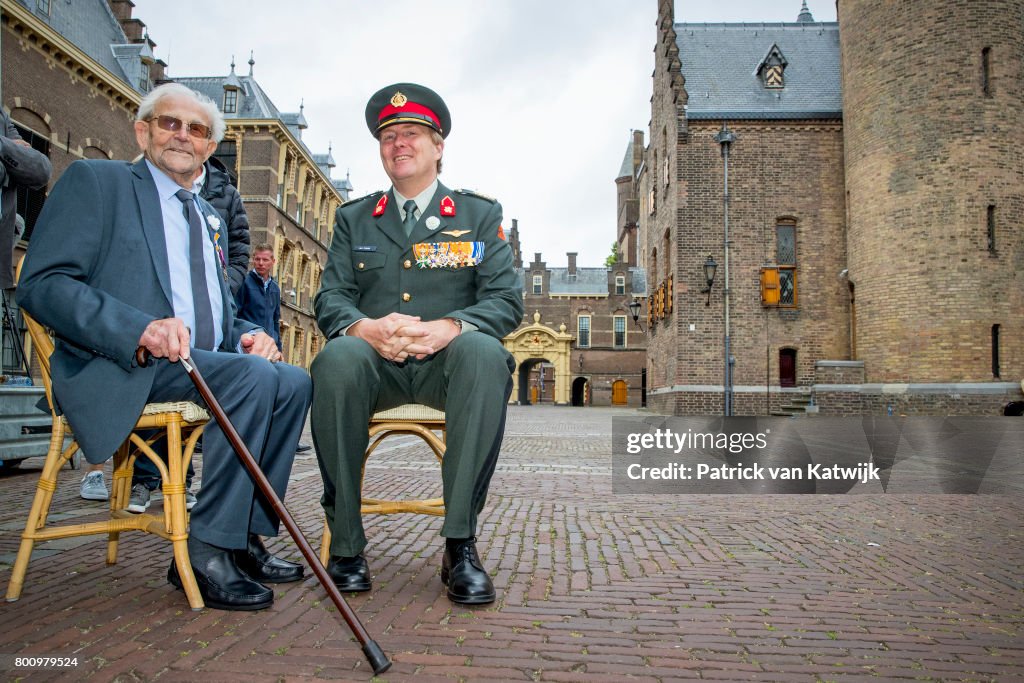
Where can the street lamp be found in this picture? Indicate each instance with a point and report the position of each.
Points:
(634, 310)
(709, 276)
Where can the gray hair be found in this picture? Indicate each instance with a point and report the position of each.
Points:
(149, 102)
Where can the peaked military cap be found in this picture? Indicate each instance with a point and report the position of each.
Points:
(407, 103)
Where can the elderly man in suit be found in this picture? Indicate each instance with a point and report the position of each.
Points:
(125, 255)
(417, 293)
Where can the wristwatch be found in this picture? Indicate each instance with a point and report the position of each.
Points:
(458, 323)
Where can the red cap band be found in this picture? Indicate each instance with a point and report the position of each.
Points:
(408, 108)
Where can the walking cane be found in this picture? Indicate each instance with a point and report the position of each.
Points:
(374, 655)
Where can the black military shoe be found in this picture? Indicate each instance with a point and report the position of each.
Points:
(464, 574)
(350, 574)
(223, 585)
(259, 564)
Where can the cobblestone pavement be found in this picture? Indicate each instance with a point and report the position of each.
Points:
(592, 586)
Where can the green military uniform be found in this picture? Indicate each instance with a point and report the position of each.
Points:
(454, 264)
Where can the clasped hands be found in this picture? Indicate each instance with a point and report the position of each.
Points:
(398, 337)
(169, 338)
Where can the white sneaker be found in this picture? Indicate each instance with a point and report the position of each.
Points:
(93, 487)
(139, 500)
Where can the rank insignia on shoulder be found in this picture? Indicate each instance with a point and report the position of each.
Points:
(474, 193)
(372, 195)
(382, 204)
(447, 206)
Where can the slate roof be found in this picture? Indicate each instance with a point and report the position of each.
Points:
(720, 62)
(91, 26)
(253, 102)
(588, 282)
(626, 170)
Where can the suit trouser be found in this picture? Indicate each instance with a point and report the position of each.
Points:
(471, 380)
(267, 403)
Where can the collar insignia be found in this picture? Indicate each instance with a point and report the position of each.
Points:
(447, 206)
(382, 204)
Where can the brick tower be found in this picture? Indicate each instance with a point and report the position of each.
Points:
(932, 104)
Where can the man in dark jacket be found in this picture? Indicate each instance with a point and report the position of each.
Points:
(223, 196)
(259, 298)
(20, 166)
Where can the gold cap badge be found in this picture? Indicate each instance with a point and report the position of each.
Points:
(398, 99)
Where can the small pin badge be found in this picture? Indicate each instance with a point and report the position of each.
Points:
(447, 206)
(382, 204)
(433, 222)
(456, 233)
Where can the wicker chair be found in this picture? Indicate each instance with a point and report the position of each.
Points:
(411, 418)
(182, 424)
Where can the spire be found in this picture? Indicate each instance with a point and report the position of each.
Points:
(805, 15)
(252, 62)
(232, 80)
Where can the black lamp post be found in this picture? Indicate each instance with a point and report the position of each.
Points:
(710, 267)
(634, 310)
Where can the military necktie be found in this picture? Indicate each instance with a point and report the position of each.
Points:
(197, 235)
(410, 216)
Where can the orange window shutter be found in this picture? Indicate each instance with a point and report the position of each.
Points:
(769, 286)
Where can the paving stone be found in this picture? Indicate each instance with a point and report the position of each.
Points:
(592, 586)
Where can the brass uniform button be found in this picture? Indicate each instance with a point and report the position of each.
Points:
(407, 297)
(361, 265)
(407, 265)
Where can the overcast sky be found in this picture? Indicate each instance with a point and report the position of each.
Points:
(543, 93)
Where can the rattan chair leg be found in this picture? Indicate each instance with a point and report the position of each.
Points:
(45, 487)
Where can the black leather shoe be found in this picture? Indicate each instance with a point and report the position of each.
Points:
(224, 586)
(260, 565)
(350, 574)
(464, 574)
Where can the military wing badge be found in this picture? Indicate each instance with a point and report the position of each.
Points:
(456, 233)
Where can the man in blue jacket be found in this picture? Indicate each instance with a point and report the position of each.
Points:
(259, 297)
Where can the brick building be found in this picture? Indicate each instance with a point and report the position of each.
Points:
(72, 78)
(597, 355)
(858, 188)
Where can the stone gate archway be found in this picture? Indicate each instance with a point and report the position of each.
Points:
(535, 342)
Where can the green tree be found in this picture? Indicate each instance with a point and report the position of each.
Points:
(613, 257)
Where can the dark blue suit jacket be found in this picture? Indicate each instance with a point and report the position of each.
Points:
(261, 306)
(96, 273)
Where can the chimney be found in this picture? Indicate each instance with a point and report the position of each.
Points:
(572, 261)
(157, 72)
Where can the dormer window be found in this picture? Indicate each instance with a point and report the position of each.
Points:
(772, 69)
(230, 101)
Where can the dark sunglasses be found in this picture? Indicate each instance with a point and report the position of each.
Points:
(173, 125)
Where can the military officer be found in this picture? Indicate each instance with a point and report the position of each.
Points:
(417, 293)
